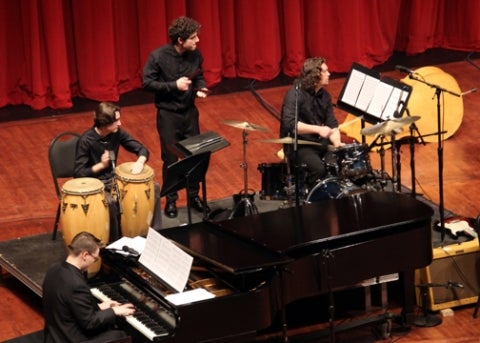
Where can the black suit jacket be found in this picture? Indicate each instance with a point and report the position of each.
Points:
(71, 312)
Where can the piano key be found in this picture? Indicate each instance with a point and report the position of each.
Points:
(141, 321)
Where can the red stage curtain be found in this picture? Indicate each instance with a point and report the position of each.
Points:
(54, 50)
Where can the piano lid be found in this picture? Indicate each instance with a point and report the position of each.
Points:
(332, 223)
(223, 249)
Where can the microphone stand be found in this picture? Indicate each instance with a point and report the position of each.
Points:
(295, 147)
(438, 92)
(412, 142)
(115, 184)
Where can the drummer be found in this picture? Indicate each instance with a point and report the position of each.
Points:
(96, 155)
(316, 120)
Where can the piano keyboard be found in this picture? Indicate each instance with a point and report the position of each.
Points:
(148, 316)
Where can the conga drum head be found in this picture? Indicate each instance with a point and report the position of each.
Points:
(83, 186)
(124, 173)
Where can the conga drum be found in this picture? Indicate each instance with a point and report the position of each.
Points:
(137, 197)
(84, 208)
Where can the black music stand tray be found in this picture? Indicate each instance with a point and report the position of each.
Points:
(183, 174)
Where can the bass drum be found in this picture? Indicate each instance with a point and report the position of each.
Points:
(333, 188)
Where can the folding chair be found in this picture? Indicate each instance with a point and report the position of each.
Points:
(61, 155)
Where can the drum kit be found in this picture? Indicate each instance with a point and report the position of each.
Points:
(348, 166)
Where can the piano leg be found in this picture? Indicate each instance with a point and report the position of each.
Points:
(407, 281)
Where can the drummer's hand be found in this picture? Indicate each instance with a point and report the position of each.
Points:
(105, 159)
(137, 167)
(324, 131)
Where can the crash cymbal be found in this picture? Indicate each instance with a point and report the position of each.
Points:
(389, 126)
(244, 125)
(288, 140)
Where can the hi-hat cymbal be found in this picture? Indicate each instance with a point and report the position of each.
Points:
(244, 125)
(388, 126)
(288, 140)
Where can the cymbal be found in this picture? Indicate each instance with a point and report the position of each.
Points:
(244, 125)
(288, 140)
(388, 126)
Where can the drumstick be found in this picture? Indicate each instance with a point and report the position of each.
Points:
(341, 126)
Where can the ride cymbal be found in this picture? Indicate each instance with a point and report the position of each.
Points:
(244, 125)
(288, 140)
(388, 126)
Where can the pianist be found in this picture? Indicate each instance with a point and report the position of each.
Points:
(71, 312)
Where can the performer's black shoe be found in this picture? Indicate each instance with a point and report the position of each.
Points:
(198, 204)
(171, 209)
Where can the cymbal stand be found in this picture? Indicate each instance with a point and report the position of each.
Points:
(290, 188)
(382, 157)
(412, 141)
(395, 165)
(249, 206)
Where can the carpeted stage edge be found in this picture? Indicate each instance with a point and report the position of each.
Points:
(29, 264)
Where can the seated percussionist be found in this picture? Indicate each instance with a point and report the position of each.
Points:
(316, 120)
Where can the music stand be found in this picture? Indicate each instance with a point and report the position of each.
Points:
(185, 173)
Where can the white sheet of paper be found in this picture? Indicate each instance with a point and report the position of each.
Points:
(166, 260)
(136, 243)
(190, 296)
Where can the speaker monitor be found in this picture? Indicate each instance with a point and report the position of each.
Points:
(452, 279)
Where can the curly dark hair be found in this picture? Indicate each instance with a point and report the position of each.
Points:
(183, 27)
(312, 67)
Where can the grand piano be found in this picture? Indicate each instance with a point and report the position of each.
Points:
(324, 246)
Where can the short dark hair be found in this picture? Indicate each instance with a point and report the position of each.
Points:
(84, 241)
(182, 27)
(105, 114)
(312, 67)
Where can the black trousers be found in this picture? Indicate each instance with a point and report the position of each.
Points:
(173, 127)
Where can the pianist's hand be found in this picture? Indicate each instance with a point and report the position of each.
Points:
(124, 310)
(107, 304)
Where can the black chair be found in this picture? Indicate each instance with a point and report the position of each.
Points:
(61, 155)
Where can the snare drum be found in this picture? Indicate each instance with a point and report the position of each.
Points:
(137, 196)
(84, 208)
(348, 161)
(332, 188)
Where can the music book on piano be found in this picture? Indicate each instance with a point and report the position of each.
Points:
(377, 98)
(166, 260)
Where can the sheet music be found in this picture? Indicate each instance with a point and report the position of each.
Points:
(353, 87)
(166, 260)
(366, 94)
(380, 99)
(190, 296)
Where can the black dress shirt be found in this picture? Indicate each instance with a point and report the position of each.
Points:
(91, 146)
(163, 68)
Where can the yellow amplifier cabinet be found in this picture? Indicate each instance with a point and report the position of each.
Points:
(458, 264)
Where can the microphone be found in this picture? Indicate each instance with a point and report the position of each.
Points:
(453, 284)
(473, 90)
(298, 85)
(111, 155)
(404, 70)
(131, 251)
